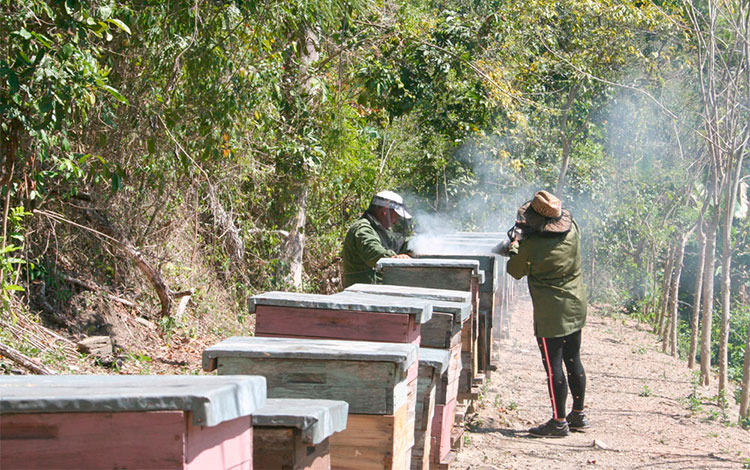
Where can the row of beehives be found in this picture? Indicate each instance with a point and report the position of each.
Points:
(351, 387)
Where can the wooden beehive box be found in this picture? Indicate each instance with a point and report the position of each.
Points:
(144, 422)
(455, 274)
(293, 433)
(488, 290)
(377, 380)
(451, 309)
(433, 363)
(351, 317)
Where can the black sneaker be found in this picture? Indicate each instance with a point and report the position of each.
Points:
(551, 428)
(577, 421)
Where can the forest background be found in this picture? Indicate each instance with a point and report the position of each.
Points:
(163, 161)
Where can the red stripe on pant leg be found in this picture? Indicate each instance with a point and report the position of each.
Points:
(549, 379)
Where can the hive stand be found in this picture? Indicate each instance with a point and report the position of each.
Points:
(349, 317)
(144, 422)
(293, 433)
(378, 380)
(454, 274)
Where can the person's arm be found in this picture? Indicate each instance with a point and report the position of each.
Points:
(518, 264)
(368, 244)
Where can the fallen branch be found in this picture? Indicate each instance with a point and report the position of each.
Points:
(93, 287)
(23, 360)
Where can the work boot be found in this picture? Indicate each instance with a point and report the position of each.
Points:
(551, 428)
(577, 421)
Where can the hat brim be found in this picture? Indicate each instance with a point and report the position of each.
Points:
(532, 219)
(401, 211)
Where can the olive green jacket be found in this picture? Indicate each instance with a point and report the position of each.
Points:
(366, 242)
(552, 265)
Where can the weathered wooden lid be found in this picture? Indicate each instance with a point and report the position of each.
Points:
(402, 354)
(317, 419)
(459, 304)
(329, 302)
(445, 295)
(393, 303)
(438, 359)
(211, 399)
(444, 263)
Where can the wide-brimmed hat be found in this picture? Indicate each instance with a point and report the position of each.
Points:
(391, 200)
(544, 214)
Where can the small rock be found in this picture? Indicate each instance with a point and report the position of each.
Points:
(597, 444)
(96, 345)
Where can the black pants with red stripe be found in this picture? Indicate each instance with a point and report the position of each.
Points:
(555, 351)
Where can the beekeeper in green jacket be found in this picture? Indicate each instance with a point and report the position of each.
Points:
(371, 237)
(545, 247)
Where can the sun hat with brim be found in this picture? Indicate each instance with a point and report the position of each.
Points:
(391, 200)
(528, 218)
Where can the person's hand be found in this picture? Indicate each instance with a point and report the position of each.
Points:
(514, 244)
(401, 256)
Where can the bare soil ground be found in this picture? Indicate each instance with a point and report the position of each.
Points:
(637, 402)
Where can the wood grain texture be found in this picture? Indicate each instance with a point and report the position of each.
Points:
(433, 278)
(374, 442)
(440, 331)
(225, 446)
(336, 324)
(282, 448)
(448, 385)
(156, 440)
(442, 424)
(425, 410)
(368, 387)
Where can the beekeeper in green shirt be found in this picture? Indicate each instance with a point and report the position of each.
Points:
(545, 247)
(371, 237)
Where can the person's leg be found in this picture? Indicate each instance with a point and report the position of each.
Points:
(571, 352)
(557, 386)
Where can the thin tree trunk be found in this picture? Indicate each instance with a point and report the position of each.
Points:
(292, 250)
(730, 199)
(697, 295)
(708, 301)
(745, 396)
(674, 317)
(666, 280)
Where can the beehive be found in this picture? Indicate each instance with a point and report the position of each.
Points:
(294, 433)
(377, 380)
(144, 422)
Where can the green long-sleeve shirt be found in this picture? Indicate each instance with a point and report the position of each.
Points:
(552, 265)
(366, 242)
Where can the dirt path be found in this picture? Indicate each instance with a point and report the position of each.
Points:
(637, 403)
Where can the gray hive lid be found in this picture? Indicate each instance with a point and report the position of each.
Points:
(396, 263)
(428, 263)
(211, 399)
(436, 358)
(406, 291)
(317, 419)
(459, 309)
(251, 347)
(389, 304)
(329, 302)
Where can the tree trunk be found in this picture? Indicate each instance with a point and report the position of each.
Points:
(708, 301)
(664, 297)
(730, 198)
(292, 250)
(670, 334)
(697, 295)
(745, 396)
(298, 179)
